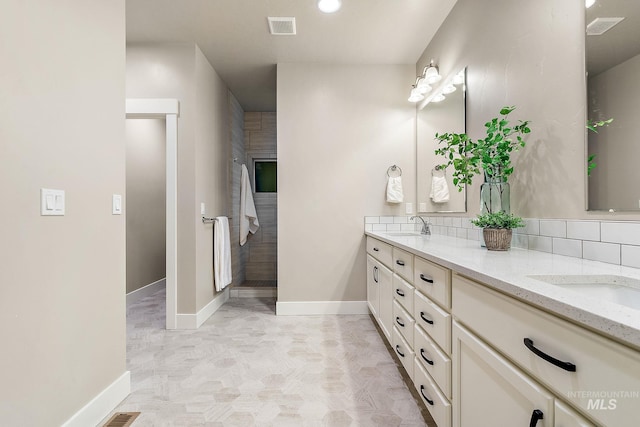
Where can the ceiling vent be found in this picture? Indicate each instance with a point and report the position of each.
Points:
(282, 26)
(599, 26)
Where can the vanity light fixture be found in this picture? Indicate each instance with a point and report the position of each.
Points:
(415, 96)
(329, 6)
(422, 85)
(589, 3)
(431, 74)
(459, 78)
(448, 89)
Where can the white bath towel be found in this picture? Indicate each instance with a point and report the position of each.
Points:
(394, 189)
(439, 189)
(248, 216)
(221, 253)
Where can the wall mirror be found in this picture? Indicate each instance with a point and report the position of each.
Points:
(439, 116)
(613, 91)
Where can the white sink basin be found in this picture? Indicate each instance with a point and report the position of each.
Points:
(618, 289)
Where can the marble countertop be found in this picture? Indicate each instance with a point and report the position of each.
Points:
(508, 272)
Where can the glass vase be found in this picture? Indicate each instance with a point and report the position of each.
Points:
(495, 196)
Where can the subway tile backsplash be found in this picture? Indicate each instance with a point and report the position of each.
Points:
(614, 242)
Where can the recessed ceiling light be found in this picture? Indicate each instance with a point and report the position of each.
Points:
(329, 6)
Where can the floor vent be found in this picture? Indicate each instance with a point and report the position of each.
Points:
(599, 26)
(282, 26)
(122, 419)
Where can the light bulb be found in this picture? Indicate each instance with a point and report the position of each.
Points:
(415, 96)
(329, 6)
(423, 86)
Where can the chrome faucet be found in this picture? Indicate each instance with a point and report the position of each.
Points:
(425, 225)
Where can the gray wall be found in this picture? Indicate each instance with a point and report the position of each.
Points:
(531, 55)
(238, 253)
(146, 202)
(62, 279)
(261, 142)
(339, 128)
(181, 71)
(615, 94)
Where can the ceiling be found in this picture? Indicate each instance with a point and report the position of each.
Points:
(234, 35)
(620, 43)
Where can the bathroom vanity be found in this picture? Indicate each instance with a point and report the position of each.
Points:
(508, 338)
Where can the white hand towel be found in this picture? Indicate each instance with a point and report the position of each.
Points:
(221, 253)
(394, 190)
(248, 216)
(439, 189)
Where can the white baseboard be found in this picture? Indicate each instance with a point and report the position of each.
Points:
(145, 291)
(194, 321)
(307, 308)
(101, 405)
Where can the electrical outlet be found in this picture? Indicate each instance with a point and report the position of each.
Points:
(409, 208)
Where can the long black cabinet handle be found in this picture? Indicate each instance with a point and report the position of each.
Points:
(425, 319)
(375, 274)
(430, 362)
(398, 321)
(536, 416)
(425, 278)
(429, 401)
(399, 292)
(399, 262)
(398, 351)
(376, 249)
(567, 366)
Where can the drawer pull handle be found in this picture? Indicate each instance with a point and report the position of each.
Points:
(536, 415)
(567, 366)
(399, 292)
(375, 274)
(398, 321)
(398, 351)
(400, 262)
(425, 278)
(425, 319)
(429, 401)
(376, 249)
(430, 362)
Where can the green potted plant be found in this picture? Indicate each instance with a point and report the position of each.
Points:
(497, 229)
(593, 127)
(491, 156)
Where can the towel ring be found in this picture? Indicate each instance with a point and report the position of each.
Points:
(394, 168)
(439, 168)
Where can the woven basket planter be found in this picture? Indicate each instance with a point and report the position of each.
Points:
(497, 239)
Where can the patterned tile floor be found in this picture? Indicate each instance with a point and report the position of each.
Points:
(247, 367)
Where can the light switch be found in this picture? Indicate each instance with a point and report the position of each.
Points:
(409, 208)
(51, 202)
(202, 209)
(117, 204)
(423, 207)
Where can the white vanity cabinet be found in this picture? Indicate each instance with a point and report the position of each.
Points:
(379, 284)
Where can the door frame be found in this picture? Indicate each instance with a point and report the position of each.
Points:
(169, 110)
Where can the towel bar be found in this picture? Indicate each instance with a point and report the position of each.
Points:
(206, 220)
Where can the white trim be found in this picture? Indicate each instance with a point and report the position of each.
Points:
(101, 405)
(308, 308)
(194, 321)
(168, 109)
(146, 290)
(151, 108)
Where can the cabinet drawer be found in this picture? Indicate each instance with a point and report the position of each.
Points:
(434, 320)
(437, 404)
(403, 351)
(433, 360)
(404, 322)
(601, 365)
(403, 293)
(380, 250)
(403, 264)
(433, 281)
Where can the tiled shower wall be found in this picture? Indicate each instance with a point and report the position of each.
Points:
(239, 253)
(614, 242)
(261, 142)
